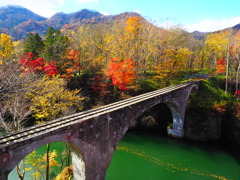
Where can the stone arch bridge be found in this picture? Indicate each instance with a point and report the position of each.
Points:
(93, 135)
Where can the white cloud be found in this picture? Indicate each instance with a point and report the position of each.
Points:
(104, 13)
(41, 7)
(138, 11)
(167, 23)
(212, 25)
(88, 1)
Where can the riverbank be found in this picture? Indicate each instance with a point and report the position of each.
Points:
(210, 115)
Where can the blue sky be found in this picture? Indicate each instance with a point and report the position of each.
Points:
(201, 15)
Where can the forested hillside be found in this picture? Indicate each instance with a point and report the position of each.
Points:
(12, 16)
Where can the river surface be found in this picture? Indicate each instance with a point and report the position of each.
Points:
(146, 156)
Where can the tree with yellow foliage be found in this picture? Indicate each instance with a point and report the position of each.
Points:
(174, 61)
(41, 166)
(66, 174)
(6, 48)
(235, 52)
(51, 99)
(217, 43)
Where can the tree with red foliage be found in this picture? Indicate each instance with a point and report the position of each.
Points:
(121, 72)
(237, 94)
(102, 89)
(51, 68)
(221, 66)
(31, 65)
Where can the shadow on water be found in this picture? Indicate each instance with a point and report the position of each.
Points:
(153, 123)
(213, 147)
(154, 155)
(210, 147)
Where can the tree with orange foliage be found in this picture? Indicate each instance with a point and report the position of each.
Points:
(221, 66)
(132, 42)
(133, 26)
(72, 66)
(121, 72)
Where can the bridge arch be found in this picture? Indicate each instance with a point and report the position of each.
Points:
(177, 102)
(77, 155)
(194, 88)
(176, 130)
(160, 117)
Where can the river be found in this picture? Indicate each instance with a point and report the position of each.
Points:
(148, 156)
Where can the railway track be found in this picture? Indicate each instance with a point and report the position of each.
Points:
(82, 116)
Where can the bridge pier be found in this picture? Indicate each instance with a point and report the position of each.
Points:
(175, 133)
(177, 127)
(77, 163)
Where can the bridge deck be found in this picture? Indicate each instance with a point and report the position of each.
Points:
(82, 116)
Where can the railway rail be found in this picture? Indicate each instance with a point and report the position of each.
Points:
(82, 116)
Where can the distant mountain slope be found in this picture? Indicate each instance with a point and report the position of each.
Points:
(198, 35)
(22, 30)
(236, 27)
(60, 19)
(11, 16)
(86, 16)
(17, 21)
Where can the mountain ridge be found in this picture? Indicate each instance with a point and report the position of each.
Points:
(18, 15)
(18, 21)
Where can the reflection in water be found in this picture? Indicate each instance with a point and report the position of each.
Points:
(144, 156)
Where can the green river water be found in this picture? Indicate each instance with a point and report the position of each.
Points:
(145, 156)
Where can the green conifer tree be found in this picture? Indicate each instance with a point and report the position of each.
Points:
(56, 46)
(34, 44)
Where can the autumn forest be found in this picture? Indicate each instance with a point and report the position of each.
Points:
(46, 77)
(51, 68)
